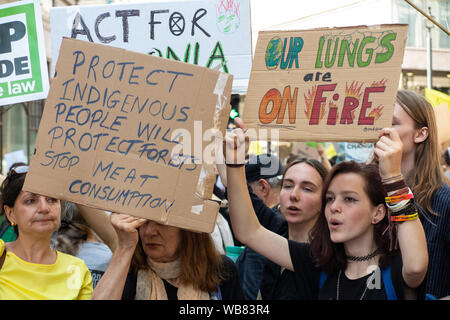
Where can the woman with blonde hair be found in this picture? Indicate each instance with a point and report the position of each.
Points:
(415, 137)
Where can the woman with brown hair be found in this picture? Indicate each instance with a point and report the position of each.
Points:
(159, 262)
(350, 262)
(415, 139)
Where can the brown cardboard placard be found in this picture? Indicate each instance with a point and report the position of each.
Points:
(124, 132)
(333, 84)
(442, 122)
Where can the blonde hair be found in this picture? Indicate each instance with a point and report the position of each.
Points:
(428, 175)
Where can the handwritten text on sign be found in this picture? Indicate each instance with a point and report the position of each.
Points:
(110, 128)
(331, 82)
(211, 33)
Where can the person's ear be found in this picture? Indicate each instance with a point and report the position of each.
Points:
(264, 186)
(9, 214)
(421, 135)
(379, 213)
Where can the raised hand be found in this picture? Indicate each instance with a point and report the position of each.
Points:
(126, 228)
(388, 151)
(236, 143)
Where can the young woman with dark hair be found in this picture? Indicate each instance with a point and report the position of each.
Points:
(351, 261)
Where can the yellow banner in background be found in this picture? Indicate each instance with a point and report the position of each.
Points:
(437, 98)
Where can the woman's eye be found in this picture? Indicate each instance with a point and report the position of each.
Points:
(350, 199)
(328, 199)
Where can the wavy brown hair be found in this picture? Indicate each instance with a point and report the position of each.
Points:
(331, 256)
(201, 263)
(428, 175)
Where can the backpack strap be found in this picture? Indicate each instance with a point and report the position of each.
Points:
(216, 295)
(323, 278)
(429, 296)
(4, 227)
(388, 286)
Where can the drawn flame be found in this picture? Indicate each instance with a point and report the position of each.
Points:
(355, 89)
(376, 112)
(309, 100)
(381, 83)
(228, 5)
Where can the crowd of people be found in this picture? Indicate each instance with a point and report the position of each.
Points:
(311, 230)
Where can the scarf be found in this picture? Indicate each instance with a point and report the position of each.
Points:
(151, 287)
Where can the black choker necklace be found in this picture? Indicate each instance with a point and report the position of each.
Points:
(363, 258)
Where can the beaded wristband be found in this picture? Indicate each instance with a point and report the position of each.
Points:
(403, 218)
(400, 191)
(395, 199)
(398, 206)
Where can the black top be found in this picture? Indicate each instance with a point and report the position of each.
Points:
(437, 231)
(307, 277)
(230, 287)
(280, 285)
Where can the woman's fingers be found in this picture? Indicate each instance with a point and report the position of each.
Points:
(240, 124)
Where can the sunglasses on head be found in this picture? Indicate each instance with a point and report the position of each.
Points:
(18, 170)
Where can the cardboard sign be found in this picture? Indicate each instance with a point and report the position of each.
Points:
(23, 63)
(209, 33)
(443, 122)
(126, 132)
(326, 84)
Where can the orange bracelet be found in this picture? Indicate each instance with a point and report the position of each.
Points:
(399, 198)
(403, 218)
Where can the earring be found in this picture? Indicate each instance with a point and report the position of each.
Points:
(12, 224)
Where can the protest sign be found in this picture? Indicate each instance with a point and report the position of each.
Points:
(334, 84)
(359, 152)
(209, 33)
(23, 63)
(128, 132)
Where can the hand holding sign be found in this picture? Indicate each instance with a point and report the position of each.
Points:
(236, 144)
(126, 228)
(388, 151)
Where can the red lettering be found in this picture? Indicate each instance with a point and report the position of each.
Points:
(350, 104)
(318, 100)
(363, 120)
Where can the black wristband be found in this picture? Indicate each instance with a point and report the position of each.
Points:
(409, 209)
(235, 165)
(400, 184)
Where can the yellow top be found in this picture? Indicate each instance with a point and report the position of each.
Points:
(67, 279)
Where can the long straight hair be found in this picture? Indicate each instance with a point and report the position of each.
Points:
(428, 174)
(331, 256)
(201, 263)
